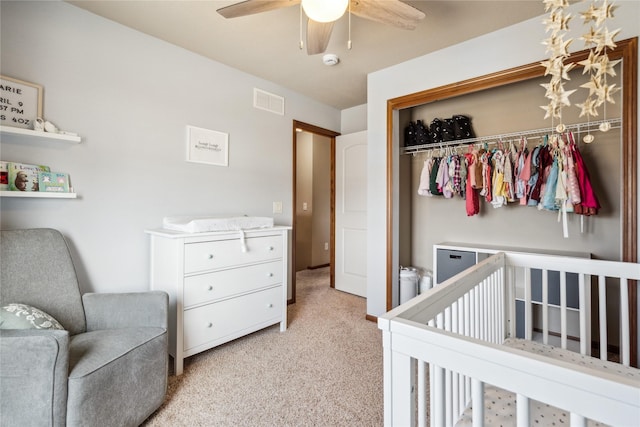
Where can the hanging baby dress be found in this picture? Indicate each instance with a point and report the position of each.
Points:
(471, 197)
(589, 204)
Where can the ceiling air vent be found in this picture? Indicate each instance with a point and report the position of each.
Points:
(268, 101)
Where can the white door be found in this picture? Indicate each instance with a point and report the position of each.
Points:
(351, 213)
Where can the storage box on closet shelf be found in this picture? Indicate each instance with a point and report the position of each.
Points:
(584, 127)
(190, 224)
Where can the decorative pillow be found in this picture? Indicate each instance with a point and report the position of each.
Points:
(22, 316)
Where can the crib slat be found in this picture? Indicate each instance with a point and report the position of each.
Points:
(462, 401)
(448, 398)
(477, 401)
(422, 394)
(495, 308)
(522, 410)
(438, 395)
(483, 307)
(585, 324)
(528, 327)
(588, 312)
(624, 321)
(602, 314)
(510, 291)
(545, 306)
(476, 313)
(563, 309)
(432, 395)
(577, 420)
(403, 397)
(467, 315)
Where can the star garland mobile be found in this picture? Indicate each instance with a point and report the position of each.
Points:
(558, 24)
(597, 64)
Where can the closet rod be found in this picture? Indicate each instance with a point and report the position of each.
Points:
(576, 127)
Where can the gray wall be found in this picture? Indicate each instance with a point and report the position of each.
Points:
(130, 97)
(503, 49)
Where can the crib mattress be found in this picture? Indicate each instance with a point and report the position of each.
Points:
(189, 224)
(500, 405)
(500, 410)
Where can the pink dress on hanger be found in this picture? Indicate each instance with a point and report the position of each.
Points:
(589, 204)
(472, 200)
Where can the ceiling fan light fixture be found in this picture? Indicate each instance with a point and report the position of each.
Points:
(324, 10)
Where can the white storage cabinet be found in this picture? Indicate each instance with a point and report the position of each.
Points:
(219, 289)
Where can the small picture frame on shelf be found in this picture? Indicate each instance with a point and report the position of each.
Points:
(20, 102)
(207, 146)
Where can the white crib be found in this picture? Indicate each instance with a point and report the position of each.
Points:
(450, 357)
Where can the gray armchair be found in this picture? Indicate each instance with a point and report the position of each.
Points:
(108, 367)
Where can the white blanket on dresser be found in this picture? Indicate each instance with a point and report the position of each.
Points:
(190, 224)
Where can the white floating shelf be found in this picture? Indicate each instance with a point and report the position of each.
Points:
(20, 132)
(38, 194)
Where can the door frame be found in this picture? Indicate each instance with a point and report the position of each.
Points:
(306, 127)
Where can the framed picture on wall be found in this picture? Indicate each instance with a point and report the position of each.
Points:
(20, 102)
(207, 146)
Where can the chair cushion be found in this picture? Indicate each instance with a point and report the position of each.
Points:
(23, 316)
(132, 361)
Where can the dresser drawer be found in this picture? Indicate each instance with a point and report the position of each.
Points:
(227, 253)
(225, 283)
(221, 319)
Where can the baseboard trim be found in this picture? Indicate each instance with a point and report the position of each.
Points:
(371, 318)
(315, 267)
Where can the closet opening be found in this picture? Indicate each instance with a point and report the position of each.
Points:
(313, 223)
(502, 103)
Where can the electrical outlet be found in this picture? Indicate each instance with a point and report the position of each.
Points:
(277, 207)
(326, 246)
(305, 206)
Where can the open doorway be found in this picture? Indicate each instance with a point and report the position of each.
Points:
(313, 234)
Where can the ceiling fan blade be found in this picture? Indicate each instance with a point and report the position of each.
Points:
(250, 7)
(318, 35)
(393, 12)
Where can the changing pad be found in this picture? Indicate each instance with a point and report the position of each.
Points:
(202, 224)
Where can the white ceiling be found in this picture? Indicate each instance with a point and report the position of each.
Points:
(267, 44)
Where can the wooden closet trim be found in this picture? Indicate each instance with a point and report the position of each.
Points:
(626, 50)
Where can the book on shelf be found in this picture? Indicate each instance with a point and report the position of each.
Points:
(24, 177)
(4, 175)
(53, 182)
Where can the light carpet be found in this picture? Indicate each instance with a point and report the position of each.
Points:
(325, 370)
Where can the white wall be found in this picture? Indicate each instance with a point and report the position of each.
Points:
(354, 119)
(507, 48)
(130, 97)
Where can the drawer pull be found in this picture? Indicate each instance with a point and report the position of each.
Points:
(209, 325)
(209, 288)
(269, 274)
(271, 248)
(209, 256)
(270, 305)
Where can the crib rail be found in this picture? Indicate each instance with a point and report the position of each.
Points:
(456, 329)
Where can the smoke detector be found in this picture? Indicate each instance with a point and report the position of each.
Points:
(330, 59)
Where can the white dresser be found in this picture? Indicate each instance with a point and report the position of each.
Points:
(221, 286)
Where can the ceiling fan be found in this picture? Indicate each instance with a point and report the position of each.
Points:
(322, 14)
